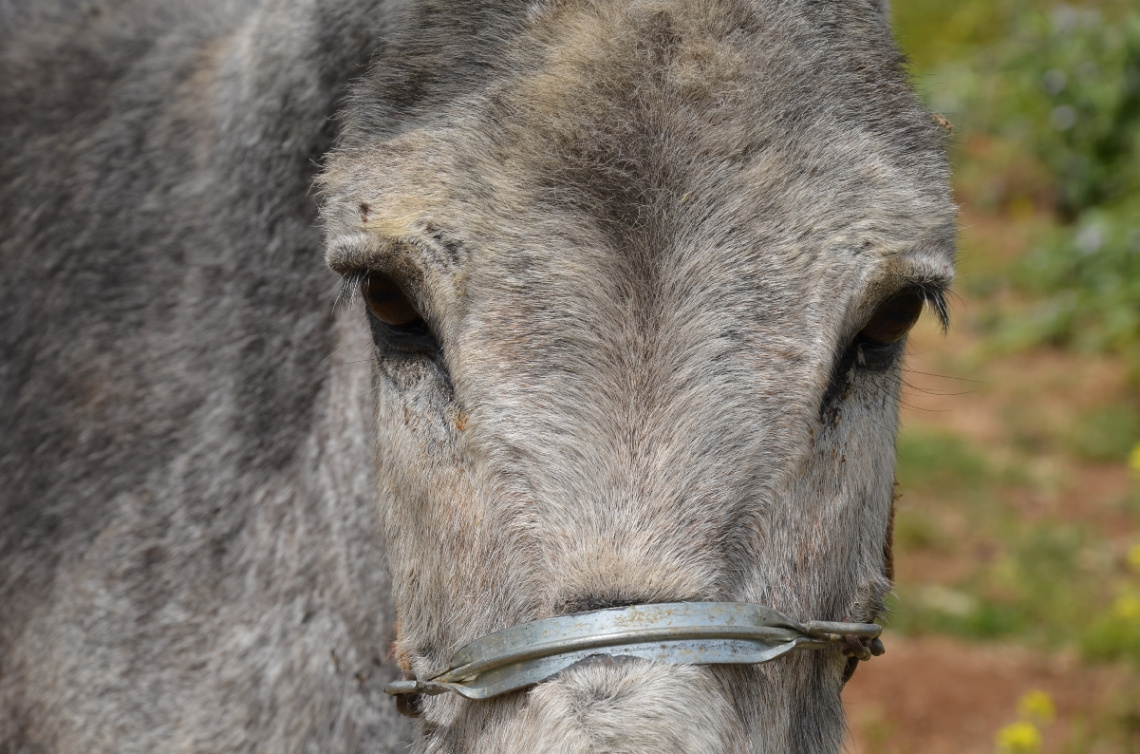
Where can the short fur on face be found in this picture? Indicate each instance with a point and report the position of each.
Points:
(644, 236)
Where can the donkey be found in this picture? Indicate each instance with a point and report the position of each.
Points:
(621, 293)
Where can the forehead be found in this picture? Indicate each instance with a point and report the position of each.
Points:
(648, 126)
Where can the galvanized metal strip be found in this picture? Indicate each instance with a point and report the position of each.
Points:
(682, 633)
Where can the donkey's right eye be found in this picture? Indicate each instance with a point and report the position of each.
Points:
(389, 304)
(893, 319)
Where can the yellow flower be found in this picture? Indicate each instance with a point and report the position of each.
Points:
(1037, 705)
(1134, 459)
(1019, 738)
(1127, 606)
(1133, 557)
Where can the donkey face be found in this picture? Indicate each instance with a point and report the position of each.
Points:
(637, 274)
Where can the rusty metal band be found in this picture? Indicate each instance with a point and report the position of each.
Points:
(680, 633)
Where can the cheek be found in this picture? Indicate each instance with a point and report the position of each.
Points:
(451, 552)
(831, 523)
(415, 431)
(425, 505)
(889, 541)
(865, 438)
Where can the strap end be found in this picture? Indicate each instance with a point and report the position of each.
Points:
(397, 688)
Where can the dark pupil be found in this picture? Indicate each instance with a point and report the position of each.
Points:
(389, 303)
(893, 319)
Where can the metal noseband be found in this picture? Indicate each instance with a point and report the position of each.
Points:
(681, 633)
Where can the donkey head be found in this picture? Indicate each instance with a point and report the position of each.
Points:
(638, 274)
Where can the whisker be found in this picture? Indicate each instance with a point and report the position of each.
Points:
(942, 376)
(926, 391)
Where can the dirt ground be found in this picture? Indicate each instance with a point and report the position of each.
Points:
(937, 695)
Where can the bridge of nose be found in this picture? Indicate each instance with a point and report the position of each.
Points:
(647, 450)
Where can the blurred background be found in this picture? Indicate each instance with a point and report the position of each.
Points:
(1015, 626)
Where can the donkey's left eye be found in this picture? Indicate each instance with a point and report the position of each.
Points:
(893, 319)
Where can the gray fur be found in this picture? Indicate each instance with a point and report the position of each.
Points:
(644, 233)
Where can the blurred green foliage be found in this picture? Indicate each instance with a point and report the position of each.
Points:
(1015, 525)
(941, 462)
(1041, 580)
(1047, 587)
(1074, 96)
(1104, 434)
(1086, 279)
(1046, 102)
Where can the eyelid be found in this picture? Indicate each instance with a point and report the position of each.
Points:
(934, 293)
(406, 276)
(348, 253)
(926, 270)
(934, 290)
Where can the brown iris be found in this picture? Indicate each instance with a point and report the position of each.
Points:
(893, 319)
(389, 304)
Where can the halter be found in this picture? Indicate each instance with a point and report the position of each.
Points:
(679, 633)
